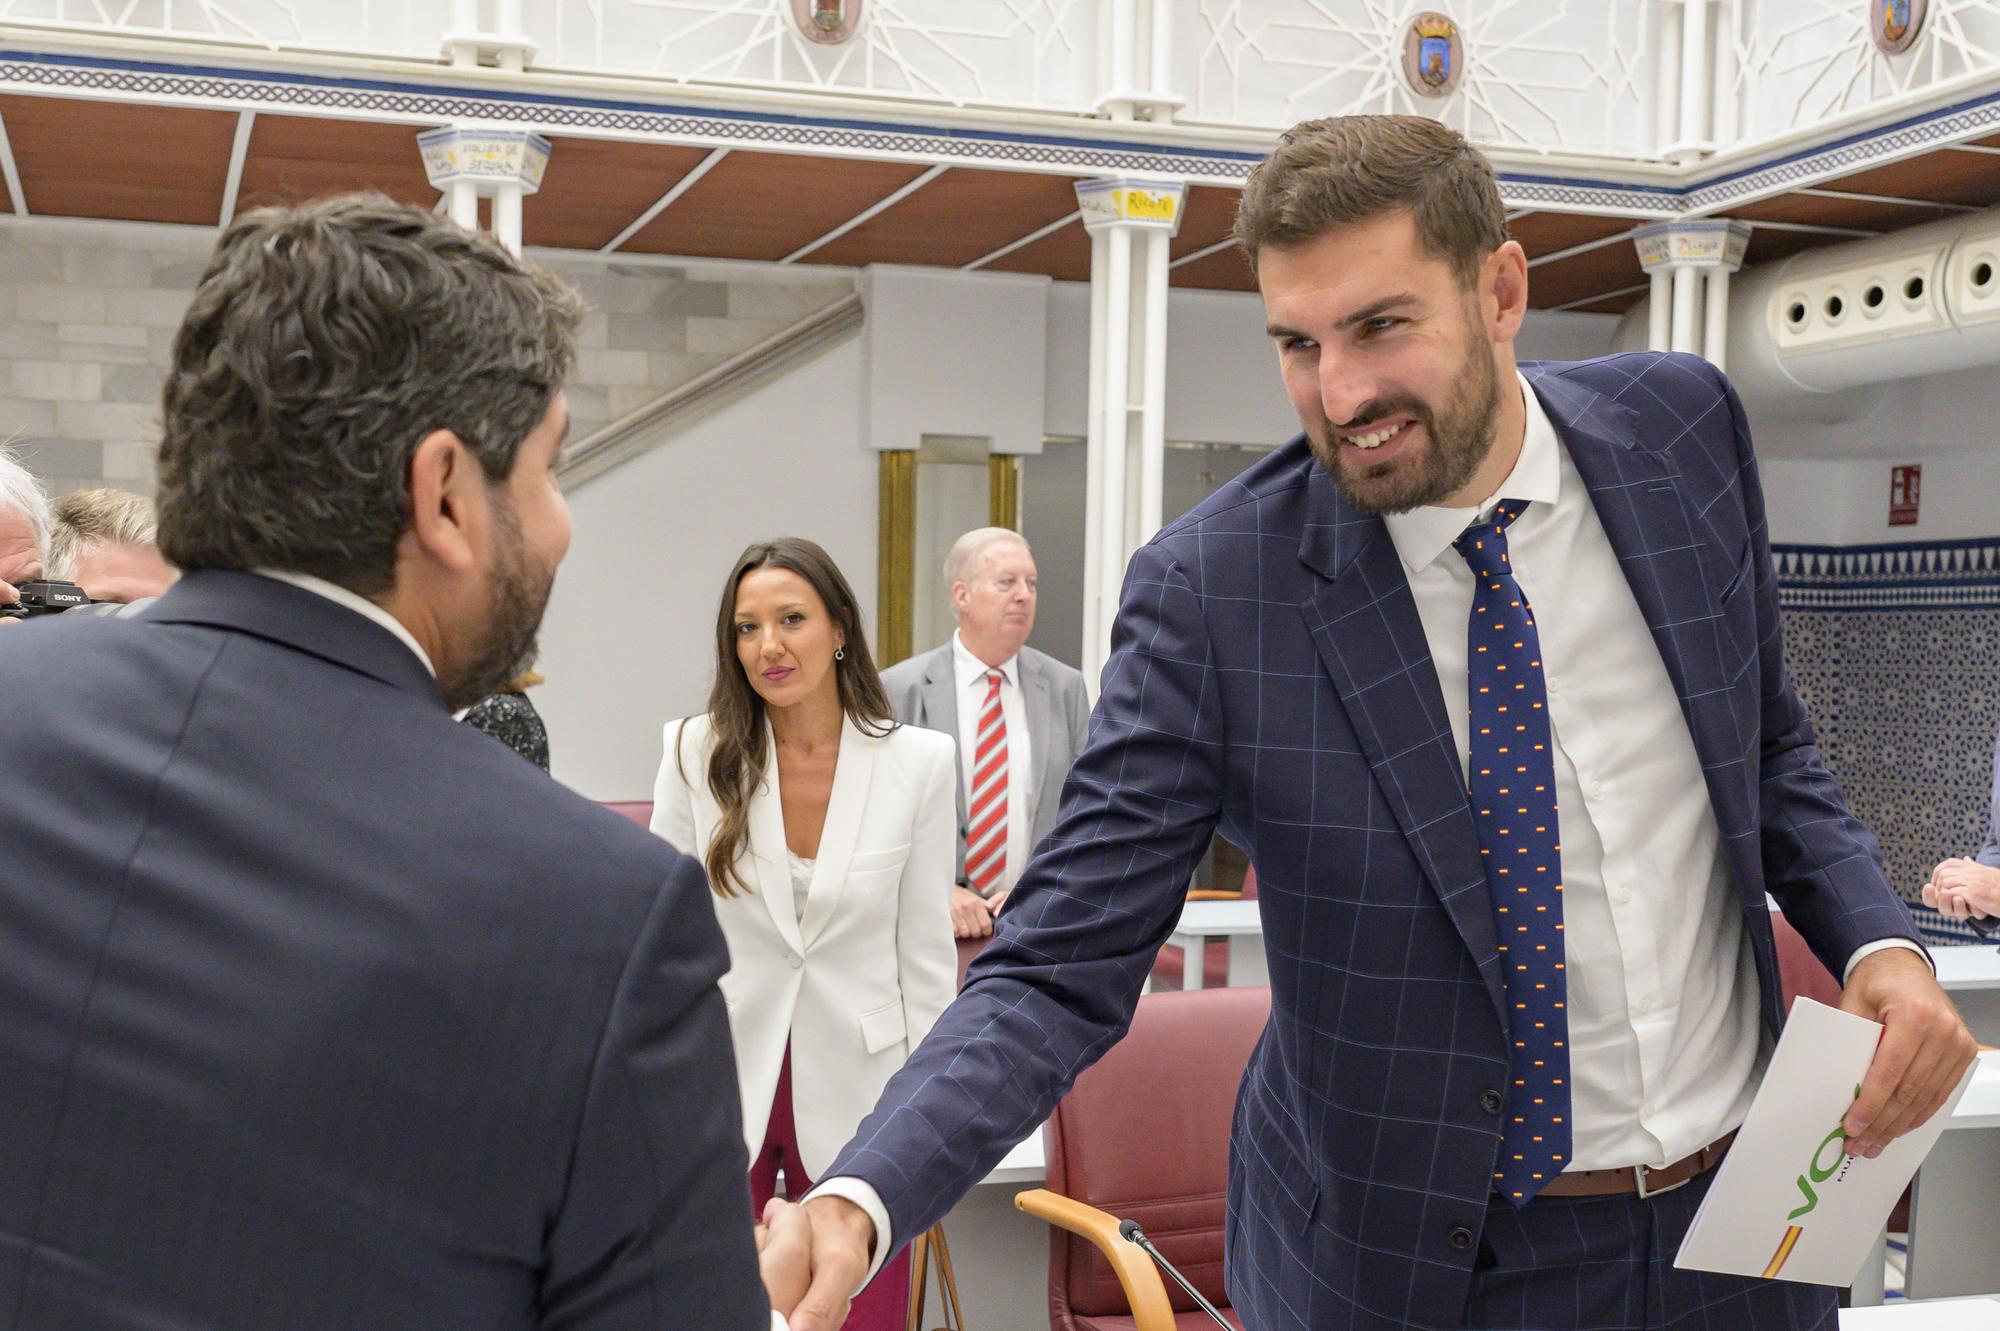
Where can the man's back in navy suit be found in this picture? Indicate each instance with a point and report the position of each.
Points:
(1270, 677)
(317, 1008)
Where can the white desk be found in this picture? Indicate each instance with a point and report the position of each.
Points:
(1934, 1315)
(1237, 925)
(1971, 975)
(1955, 1200)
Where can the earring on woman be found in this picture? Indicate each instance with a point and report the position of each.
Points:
(840, 653)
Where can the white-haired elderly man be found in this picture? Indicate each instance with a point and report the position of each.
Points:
(24, 528)
(1018, 715)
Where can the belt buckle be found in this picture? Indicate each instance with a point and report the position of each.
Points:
(1639, 1175)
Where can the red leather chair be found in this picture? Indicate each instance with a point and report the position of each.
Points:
(1799, 971)
(1169, 967)
(1144, 1135)
(639, 811)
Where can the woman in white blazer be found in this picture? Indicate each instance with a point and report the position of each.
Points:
(829, 835)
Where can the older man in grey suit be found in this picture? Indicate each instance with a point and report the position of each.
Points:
(1018, 715)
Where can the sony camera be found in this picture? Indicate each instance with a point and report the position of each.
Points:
(45, 596)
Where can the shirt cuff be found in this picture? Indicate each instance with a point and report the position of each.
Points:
(777, 1321)
(1870, 949)
(862, 1193)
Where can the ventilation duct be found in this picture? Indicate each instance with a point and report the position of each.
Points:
(1806, 332)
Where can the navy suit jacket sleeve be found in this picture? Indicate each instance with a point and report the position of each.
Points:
(1057, 985)
(656, 1216)
(1820, 862)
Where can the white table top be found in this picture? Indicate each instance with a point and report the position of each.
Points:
(1218, 919)
(1972, 966)
(1023, 1166)
(1976, 1314)
(1980, 1106)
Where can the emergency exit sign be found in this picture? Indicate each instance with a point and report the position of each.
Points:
(1904, 483)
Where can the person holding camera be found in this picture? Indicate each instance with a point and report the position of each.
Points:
(24, 529)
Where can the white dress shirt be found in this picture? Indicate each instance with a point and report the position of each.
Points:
(970, 673)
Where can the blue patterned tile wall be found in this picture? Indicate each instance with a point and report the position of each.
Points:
(1896, 649)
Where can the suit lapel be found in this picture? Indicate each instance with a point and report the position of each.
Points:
(769, 861)
(1640, 501)
(852, 773)
(1365, 627)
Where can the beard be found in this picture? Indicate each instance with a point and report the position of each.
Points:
(517, 596)
(1457, 437)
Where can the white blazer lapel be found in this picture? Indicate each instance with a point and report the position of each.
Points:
(852, 773)
(769, 866)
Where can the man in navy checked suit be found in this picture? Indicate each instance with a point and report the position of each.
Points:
(1484, 671)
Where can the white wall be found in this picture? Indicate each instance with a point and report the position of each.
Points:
(629, 641)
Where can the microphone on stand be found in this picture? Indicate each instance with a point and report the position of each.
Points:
(1129, 1231)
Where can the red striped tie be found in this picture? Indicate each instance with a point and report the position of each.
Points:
(986, 823)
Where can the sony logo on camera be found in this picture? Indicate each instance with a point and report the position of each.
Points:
(45, 597)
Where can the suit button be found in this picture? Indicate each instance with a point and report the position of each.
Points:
(794, 960)
(1490, 1101)
(1462, 1239)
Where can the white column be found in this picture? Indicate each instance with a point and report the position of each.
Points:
(1115, 425)
(1660, 311)
(1694, 78)
(1667, 84)
(507, 24)
(1687, 309)
(1153, 385)
(465, 203)
(1131, 224)
(1723, 95)
(1160, 69)
(1124, 34)
(507, 215)
(1094, 617)
(1715, 307)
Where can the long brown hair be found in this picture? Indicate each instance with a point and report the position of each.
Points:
(736, 710)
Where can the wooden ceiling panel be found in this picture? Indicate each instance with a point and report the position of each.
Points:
(1949, 177)
(1206, 218)
(1548, 233)
(1767, 245)
(1224, 270)
(1817, 210)
(1063, 255)
(962, 215)
(118, 160)
(595, 188)
(1611, 268)
(295, 158)
(766, 205)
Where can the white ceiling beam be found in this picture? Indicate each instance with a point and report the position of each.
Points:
(1226, 243)
(874, 210)
(1813, 192)
(238, 152)
(666, 201)
(1585, 248)
(1812, 228)
(1972, 148)
(15, 196)
(1037, 234)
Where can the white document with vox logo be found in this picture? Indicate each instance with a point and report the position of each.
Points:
(1788, 1202)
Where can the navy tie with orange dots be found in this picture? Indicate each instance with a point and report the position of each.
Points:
(1512, 784)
